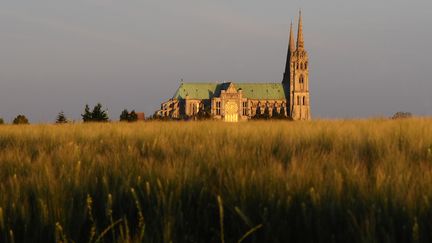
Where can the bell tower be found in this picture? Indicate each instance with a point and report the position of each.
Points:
(299, 98)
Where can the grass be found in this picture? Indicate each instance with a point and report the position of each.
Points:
(320, 181)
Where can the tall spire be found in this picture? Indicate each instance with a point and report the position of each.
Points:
(291, 46)
(300, 40)
(291, 49)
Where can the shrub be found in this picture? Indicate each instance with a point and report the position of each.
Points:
(402, 115)
(274, 114)
(20, 119)
(204, 113)
(61, 118)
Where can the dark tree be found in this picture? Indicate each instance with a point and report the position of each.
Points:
(124, 116)
(127, 116)
(87, 116)
(20, 119)
(133, 117)
(61, 118)
(1, 121)
(97, 115)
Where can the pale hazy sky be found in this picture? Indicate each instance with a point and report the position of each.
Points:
(367, 58)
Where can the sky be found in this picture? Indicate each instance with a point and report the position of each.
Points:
(367, 58)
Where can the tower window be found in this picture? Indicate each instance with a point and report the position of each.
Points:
(304, 100)
(301, 66)
(301, 80)
(306, 65)
(298, 100)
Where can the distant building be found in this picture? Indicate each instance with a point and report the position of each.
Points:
(232, 102)
(140, 116)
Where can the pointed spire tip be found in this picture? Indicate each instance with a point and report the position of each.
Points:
(300, 40)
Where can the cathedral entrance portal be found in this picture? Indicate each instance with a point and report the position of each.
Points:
(231, 112)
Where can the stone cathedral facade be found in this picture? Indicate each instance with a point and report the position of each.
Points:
(234, 102)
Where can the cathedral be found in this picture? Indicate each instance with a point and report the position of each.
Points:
(232, 102)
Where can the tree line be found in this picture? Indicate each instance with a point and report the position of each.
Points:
(97, 114)
(20, 119)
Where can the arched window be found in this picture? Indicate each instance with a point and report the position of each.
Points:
(297, 66)
(306, 65)
(304, 100)
(301, 66)
(298, 100)
(301, 80)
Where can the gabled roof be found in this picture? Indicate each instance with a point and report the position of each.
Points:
(196, 90)
(270, 91)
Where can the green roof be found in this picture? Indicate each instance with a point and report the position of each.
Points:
(270, 91)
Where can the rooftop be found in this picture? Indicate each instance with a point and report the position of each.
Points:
(271, 91)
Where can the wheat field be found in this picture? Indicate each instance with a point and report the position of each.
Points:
(274, 181)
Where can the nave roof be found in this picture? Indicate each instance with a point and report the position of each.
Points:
(269, 91)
